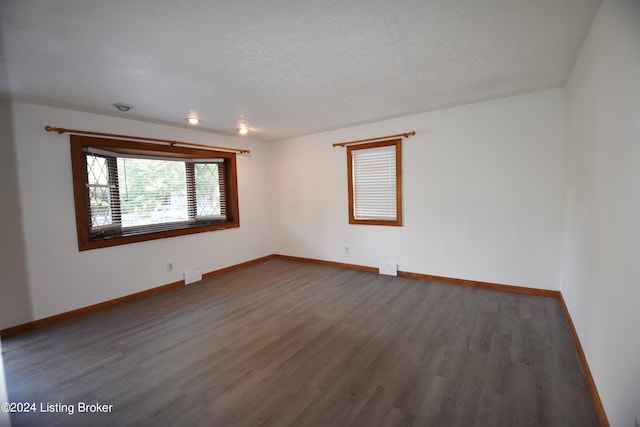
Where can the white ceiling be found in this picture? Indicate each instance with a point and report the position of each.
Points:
(286, 67)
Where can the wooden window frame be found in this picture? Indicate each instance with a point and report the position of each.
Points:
(398, 151)
(79, 172)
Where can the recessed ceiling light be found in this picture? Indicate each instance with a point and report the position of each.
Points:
(242, 128)
(193, 120)
(123, 107)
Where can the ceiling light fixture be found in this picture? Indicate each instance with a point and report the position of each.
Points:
(123, 107)
(242, 128)
(193, 120)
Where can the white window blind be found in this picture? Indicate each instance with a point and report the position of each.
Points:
(374, 183)
(134, 194)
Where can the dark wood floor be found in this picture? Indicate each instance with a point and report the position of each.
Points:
(284, 343)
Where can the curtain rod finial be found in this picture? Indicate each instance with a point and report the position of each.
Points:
(53, 129)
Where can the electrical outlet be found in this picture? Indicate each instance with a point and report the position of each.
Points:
(169, 266)
(346, 250)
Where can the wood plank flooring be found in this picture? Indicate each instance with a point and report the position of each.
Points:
(284, 343)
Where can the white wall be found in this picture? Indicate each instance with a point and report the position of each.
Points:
(15, 303)
(601, 254)
(60, 277)
(482, 199)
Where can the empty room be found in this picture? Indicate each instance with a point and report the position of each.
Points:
(296, 213)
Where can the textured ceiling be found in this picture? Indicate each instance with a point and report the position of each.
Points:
(286, 67)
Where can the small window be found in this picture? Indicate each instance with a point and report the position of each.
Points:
(129, 192)
(375, 183)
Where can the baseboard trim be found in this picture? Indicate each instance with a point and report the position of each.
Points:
(330, 263)
(46, 321)
(484, 285)
(35, 324)
(432, 278)
(237, 266)
(591, 384)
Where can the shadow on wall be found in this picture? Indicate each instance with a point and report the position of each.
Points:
(4, 416)
(15, 304)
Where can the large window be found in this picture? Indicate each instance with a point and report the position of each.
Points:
(129, 192)
(375, 183)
